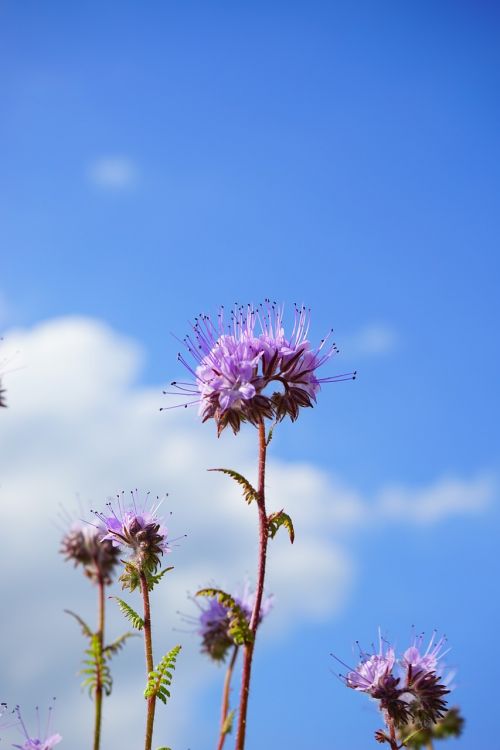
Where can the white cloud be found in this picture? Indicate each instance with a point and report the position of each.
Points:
(78, 422)
(113, 172)
(449, 496)
(372, 340)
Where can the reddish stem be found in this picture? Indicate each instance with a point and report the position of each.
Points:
(225, 698)
(148, 647)
(261, 572)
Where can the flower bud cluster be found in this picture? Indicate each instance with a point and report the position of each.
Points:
(235, 364)
(87, 546)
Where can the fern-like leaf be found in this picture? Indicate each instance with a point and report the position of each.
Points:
(153, 578)
(130, 614)
(280, 518)
(239, 627)
(249, 492)
(160, 678)
(113, 648)
(87, 632)
(95, 671)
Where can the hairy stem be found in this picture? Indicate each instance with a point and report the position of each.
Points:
(392, 734)
(148, 646)
(261, 572)
(99, 686)
(225, 698)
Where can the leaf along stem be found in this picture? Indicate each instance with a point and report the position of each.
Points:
(261, 572)
(99, 685)
(225, 698)
(148, 647)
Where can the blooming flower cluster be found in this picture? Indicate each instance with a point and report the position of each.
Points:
(133, 526)
(236, 362)
(214, 620)
(410, 689)
(86, 545)
(40, 741)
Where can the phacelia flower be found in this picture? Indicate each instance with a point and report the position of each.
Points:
(408, 690)
(214, 622)
(132, 526)
(236, 363)
(87, 545)
(372, 670)
(40, 741)
(424, 661)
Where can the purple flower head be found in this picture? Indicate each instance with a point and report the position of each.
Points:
(214, 630)
(415, 694)
(42, 740)
(420, 661)
(133, 526)
(235, 362)
(372, 670)
(86, 545)
(215, 619)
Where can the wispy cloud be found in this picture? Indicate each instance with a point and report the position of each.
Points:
(113, 172)
(449, 496)
(374, 339)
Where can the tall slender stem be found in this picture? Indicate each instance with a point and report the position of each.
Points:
(148, 646)
(99, 686)
(261, 572)
(225, 698)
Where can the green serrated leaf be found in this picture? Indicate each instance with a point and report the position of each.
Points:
(153, 578)
(249, 492)
(239, 627)
(97, 673)
(228, 723)
(160, 678)
(113, 648)
(130, 614)
(85, 628)
(280, 518)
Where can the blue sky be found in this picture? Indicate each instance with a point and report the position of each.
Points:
(160, 159)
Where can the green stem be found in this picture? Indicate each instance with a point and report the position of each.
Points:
(148, 646)
(225, 698)
(99, 686)
(261, 572)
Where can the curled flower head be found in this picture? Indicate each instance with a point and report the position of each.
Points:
(42, 740)
(132, 526)
(408, 690)
(87, 546)
(248, 370)
(215, 619)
